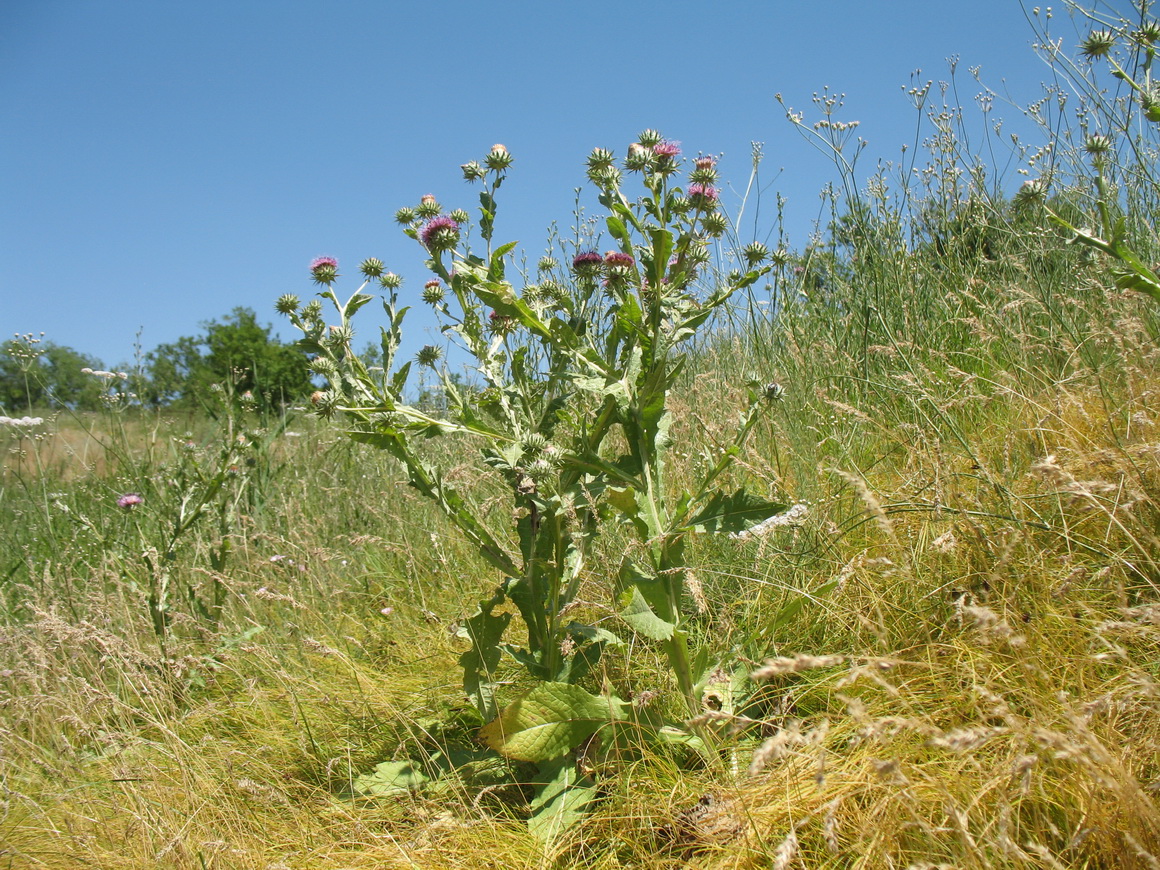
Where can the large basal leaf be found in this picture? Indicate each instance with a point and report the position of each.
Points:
(733, 512)
(549, 720)
(392, 778)
(640, 616)
(562, 795)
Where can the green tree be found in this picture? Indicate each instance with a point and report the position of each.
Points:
(236, 350)
(36, 374)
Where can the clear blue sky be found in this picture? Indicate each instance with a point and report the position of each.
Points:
(163, 161)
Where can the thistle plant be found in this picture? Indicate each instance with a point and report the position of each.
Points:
(571, 413)
(1112, 127)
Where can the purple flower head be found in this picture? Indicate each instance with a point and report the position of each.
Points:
(587, 262)
(667, 148)
(501, 323)
(129, 501)
(702, 196)
(324, 270)
(440, 233)
(619, 259)
(706, 163)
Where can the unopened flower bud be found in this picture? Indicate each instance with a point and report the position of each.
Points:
(433, 292)
(755, 253)
(287, 303)
(649, 138)
(605, 177)
(600, 158)
(1099, 43)
(405, 216)
(639, 157)
(428, 207)
(460, 216)
(390, 281)
(714, 223)
(1098, 144)
(547, 264)
(472, 171)
(372, 267)
(428, 355)
(1149, 33)
(498, 158)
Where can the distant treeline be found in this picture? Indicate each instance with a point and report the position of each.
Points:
(236, 353)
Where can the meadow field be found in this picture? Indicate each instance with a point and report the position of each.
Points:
(238, 640)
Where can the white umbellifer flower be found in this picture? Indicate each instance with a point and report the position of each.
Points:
(21, 422)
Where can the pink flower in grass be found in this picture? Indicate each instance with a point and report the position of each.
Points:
(129, 501)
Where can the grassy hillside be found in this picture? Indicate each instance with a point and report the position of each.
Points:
(944, 655)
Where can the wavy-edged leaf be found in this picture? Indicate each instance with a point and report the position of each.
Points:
(733, 512)
(392, 778)
(562, 795)
(638, 613)
(485, 630)
(549, 720)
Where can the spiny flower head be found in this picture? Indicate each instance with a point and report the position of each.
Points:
(372, 267)
(755, 253)
(441, 233)
(324, 270)
(428, 355)
(715, 224)
(1097, 144)
(587, 263)
(287, 303)
(600, 158)
(405, 216)
(433, 292)
(702, 196)
(1149, 33)
(1032, 190)
(390, 281)
(667, 149)
(639, 157)
(619, 260)
(1099, 43)
(498, 158)
(501, 324)
(649, 138)
(472, 171)
(428, 206)
(704, 170)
